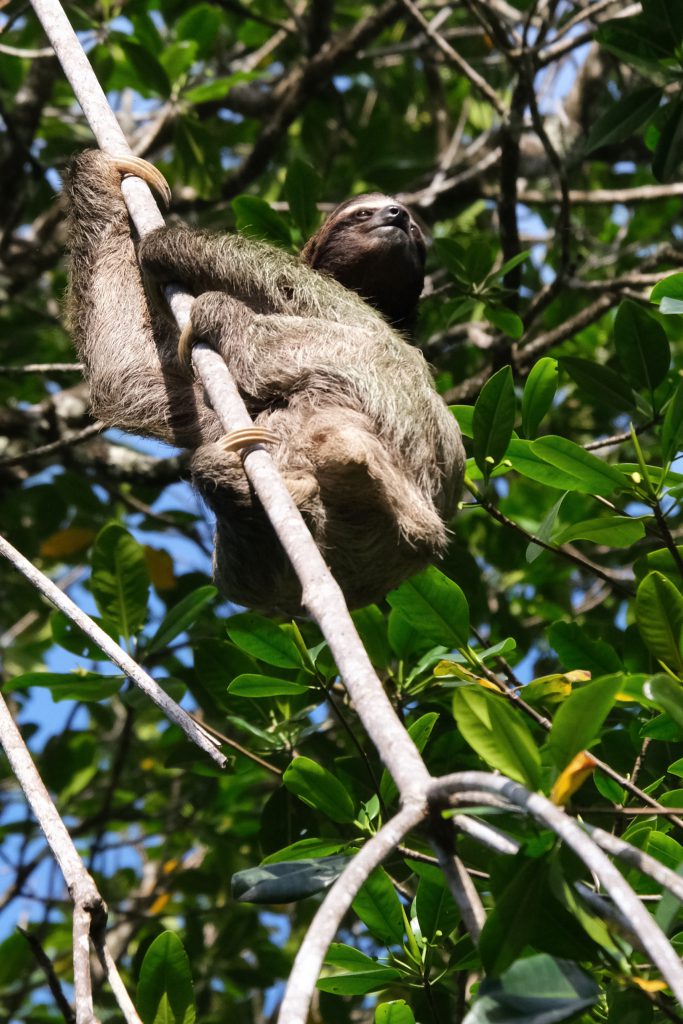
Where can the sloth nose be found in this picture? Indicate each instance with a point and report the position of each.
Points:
(396, 216)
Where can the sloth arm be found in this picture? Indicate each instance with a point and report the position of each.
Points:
(129, 350)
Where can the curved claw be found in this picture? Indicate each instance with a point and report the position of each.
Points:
(185, 345)
(236, 440)
(135, 165)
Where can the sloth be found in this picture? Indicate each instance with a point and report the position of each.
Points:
(368, 450)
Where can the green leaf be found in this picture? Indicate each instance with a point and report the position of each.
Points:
(662, 561)
(642, 346)
(497, 733)
(579, 719)
(435, 908)
(302, 188)
(601, 382)
(372, 629)
(612, 531)
(672, 427)
(577, 650)
(379, 908)
(659, 615)
(534, 990)
(591, 475)
(119, 581)
(180, 617)
(150, 75)
(669, 152)
(357, 974)
(505, 320)
(200, 24)
(419, 732)
(287, 881)
(320, 789)
(539, 392)
(86, 686)
(216, 88)
(165, 994)
(464, 414)
(261, 638)
(545, 531)
(395, 1012)
(493, 420)
(254, 685)
(511, 924)
(434, 606)
(524, 460)
(256, 219)
(15, 960)
(668, 694)
(670, 287)
(624, 118)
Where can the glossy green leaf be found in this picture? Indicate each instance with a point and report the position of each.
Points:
(659, 615)
(302, 188)
(612, 531)
(668, 155)
(435, 606)
(670, 287)
(419, 732)
(320, 789)
(579, 719)
(254, 685)
(577, 650)
(537, 989)
(372, 629)
(602, 383)
(379, 908)
(668, 694)
(539, 392)
(356, 974)
(464, 414)
(264, 640)
(15, 959)
(395, 1012)
(591, 475)
(151, 77)
(493, 420)
(624, 118)
(497, 733)
(119, 581)
(255, 218)
(287, 881)
(180, 617)
(86, 686)
(505, 320)
(435, 908)
(642, 346)
(522, 458)
(672, 427)
(544, 531)
(165, 994)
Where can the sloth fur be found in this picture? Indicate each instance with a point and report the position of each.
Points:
(368, 450)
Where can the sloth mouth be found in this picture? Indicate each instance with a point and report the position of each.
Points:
(391, 230)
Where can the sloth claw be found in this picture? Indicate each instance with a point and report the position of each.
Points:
(140, 168)
(236, 440)
(185, 342)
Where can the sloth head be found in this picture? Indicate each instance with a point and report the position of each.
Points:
(373, 245)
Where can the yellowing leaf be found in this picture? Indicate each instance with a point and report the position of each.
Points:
(159, 904)
(572, 778)
(648, 984)
(160, 568)
(67, 542)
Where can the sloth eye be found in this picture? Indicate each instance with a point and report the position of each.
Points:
(363, 214)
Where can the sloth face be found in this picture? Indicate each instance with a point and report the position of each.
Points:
(373, 245)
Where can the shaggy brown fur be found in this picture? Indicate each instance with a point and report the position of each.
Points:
(368, 450)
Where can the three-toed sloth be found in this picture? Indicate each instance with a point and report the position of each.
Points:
(367, 449)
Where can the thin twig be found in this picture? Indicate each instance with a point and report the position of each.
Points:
(650, 934)
(309, 959)
(115, 653)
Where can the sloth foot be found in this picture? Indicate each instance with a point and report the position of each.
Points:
(237, 440)
(129, 164)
